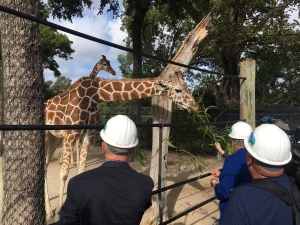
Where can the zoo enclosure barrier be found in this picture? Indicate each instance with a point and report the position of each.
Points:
(160, 126)
(289, 116)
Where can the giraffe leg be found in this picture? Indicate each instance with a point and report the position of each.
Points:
(68, 145)
(51, 144)
(78, 145)
(88, 138)
(72, 158)
(60, 160)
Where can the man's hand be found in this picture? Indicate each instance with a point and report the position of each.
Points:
(219, 148)
(215, 173)
(214, 181)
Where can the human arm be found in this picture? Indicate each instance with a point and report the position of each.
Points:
(225, 155)
(227, 180)
(220, 150)
(69, 212)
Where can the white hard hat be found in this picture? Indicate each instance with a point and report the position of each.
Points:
(240, 130)
(120, 131)
(269, 144)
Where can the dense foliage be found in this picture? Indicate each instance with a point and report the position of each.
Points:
(54, 44)
(54, 88)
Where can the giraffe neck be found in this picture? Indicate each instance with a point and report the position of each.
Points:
(95, 71)
(124, 89)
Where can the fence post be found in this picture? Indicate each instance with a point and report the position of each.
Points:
(247, 92)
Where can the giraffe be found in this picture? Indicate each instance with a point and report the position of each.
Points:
(102, 64)
(78, 106)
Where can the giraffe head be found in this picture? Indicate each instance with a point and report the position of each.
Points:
(105, 65)
(177, 90)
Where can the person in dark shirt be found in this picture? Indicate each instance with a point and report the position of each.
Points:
(114, 193)
(268, 150)
(234, 171)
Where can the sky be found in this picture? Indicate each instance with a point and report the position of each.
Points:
(88, 53)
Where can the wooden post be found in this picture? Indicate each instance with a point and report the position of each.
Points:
(162, 110)
(247, 92)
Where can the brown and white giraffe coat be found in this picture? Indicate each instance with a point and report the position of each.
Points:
(102, 64)
(78, 105)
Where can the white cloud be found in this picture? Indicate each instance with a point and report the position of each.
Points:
(87, 52)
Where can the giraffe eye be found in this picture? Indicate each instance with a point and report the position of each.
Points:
(178, 90)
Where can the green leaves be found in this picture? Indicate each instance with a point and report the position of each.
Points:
(54, 44)
(167, 141)
(52, 89)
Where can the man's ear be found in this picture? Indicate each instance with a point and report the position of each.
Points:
(249, 159)
(103, 147)
(131, 150)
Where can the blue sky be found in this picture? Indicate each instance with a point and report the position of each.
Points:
(88, 53)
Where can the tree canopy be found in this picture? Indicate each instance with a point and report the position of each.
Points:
(61, 84)
(256, 29)
(54, 44)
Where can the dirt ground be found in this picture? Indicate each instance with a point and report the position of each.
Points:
(179, 199)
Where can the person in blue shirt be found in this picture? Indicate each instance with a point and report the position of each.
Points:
(234, 171)
(268, 150)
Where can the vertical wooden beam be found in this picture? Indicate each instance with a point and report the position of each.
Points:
(247, 92)
(162, 111)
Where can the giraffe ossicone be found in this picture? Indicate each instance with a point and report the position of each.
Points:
(102, 64)
(78, 106)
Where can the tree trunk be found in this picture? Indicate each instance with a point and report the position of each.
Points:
(1, 104)
(162, 111)
(140, 10)
(24, 151)
(230, 86)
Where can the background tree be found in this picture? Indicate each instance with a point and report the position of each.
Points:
(48, 91)
(24, 158)
(259, 30)
(137, 11)
(61, 84)
(54, 44)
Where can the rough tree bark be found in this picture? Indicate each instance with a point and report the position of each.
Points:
(162, 109)
(24, 151)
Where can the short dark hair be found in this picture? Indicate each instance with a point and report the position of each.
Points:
(116, 150)
(239, 142)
